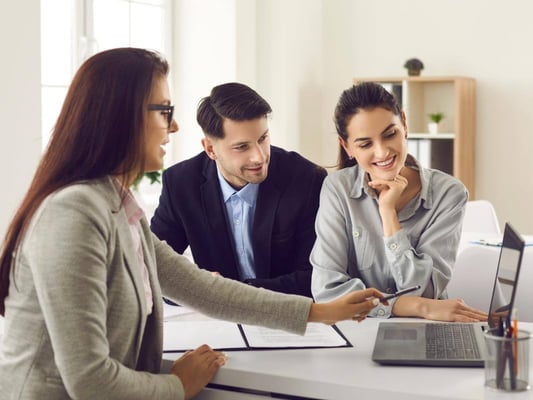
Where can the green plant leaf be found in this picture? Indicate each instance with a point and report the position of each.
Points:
(436, 117)
(153, 177)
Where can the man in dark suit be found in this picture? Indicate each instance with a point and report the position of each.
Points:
(246, 208)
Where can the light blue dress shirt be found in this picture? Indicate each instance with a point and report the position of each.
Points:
(240, 208)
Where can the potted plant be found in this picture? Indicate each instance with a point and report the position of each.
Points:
(434, 118)
(414, 66)
(153, 177)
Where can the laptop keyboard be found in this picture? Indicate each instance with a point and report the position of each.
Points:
(450, 341)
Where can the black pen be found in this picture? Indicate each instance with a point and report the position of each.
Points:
(399, 293)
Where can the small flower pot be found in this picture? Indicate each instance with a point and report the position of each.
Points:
(433, 127)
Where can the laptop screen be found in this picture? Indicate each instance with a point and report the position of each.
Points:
(503, 293)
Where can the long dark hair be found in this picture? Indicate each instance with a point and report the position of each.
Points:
(98, 133)
(364, 95)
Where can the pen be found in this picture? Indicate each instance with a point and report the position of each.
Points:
(510, 349)
(500, 354)
(399, 293)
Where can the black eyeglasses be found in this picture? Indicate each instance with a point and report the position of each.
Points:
(166, 109)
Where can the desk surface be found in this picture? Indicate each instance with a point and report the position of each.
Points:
(348, 373)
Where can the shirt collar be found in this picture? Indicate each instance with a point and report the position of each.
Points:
(248, 193)
(133, 211)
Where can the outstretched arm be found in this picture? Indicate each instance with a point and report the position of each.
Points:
(455, 310)
(355, 305)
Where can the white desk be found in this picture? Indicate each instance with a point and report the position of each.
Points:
(347, 373)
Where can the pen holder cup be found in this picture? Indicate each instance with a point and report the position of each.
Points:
(507, 361)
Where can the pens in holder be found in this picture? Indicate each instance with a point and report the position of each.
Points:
(501, 356)
(515, 341)
(511, 348)
(399, 293)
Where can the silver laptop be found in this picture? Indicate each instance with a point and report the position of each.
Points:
(453, 344)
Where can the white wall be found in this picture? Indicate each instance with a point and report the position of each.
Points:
(485, 39)
(300, 54)
(289, 70)
(20, 104)
(214, 43)
(488, 40)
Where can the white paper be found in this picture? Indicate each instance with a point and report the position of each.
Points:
(188, 335)
(316, 335)
(497, 241)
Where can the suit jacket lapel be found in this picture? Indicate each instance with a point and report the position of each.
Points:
(265, 212)
(130, 257)
(126, 244)
(211, 200)
(150, 356)
(150, 262)
(215, 212)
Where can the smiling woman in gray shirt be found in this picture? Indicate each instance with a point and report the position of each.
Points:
(385, 221)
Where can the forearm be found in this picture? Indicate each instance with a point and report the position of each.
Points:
(355, 306)
(389, 218)
(408, 267)
(411, 306)
(437, 310)
(318, 312)
(227, 299)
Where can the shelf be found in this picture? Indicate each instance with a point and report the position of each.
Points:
(431, 136)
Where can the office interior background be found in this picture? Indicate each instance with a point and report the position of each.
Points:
(300, 55)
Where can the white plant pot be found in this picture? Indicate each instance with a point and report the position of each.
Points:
(433, 127)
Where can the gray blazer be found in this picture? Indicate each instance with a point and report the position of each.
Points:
(76, 323)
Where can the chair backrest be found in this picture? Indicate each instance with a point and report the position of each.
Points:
(524, 299)
(481, 217)
(473, 276)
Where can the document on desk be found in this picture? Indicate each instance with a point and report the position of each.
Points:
(222, 335)
(316, 335)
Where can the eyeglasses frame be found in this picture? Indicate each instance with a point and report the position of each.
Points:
(167, 108)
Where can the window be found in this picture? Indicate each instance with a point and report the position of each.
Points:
(73, 30)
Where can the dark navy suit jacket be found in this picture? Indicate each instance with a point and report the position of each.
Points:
(191, 213)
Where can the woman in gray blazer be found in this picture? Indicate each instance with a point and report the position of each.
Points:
(82, 276)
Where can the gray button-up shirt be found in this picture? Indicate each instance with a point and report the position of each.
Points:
(351, 253)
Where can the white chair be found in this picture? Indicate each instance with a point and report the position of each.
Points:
(473, 276)
(480, 217)
(475, 266)
(524, 298)
(480, 222)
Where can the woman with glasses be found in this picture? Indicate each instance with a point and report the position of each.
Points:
(81, 275)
